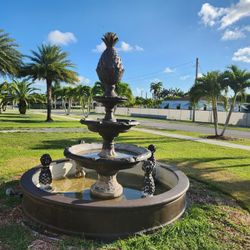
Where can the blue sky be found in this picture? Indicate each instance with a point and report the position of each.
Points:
(158, 39)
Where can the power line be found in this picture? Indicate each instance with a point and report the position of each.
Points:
(141, 77)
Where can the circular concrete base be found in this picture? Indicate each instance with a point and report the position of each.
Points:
(104, 219)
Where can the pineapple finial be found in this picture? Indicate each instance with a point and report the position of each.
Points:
(110, 39)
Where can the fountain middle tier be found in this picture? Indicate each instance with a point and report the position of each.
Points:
(104, 127)
(87, 155)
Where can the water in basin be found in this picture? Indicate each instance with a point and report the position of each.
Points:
(80, 187)
(95, 154)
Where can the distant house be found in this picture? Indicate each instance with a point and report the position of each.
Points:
(184, 103)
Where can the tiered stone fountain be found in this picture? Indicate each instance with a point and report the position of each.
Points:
(102, 208)
(107, 159)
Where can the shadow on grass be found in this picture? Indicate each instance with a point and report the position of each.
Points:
(61, 144)
(215, 176)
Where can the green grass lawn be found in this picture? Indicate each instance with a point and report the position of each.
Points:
(212, 221)
(16, 121)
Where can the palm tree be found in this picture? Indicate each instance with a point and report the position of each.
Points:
(84, 95)
(238, 80)
(23, 93)
(10, 57)
(156, 88)
(209, 87)
(123, 89)
(4, 95)
(165, 93)
(98, 89)
(69, 95)
(50, 63)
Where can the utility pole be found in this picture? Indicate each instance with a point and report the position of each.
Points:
(196, 76)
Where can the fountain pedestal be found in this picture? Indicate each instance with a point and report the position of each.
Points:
(106, 187)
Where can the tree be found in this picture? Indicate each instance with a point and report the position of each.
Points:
(209, 87)
(84, 95)
(4, 95)
(98, 89)
(237, 80)
(10, 57)
(69, 95)
(23, 93)
(50, 63)
(165, 93)
(156, 88)
(123, 89)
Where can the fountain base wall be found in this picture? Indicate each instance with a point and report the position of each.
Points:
(105, 219)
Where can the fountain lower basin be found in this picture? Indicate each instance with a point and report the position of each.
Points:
(105, 219)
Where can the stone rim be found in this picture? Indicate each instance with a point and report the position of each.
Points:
(177, 191)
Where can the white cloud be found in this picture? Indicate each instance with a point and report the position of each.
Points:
(183, 78)
(61, 38)
(138, 48)
(235, 13)
(100, 48)
(168, 70)
(84, 80)
(242, 55)
(224, 17)
(210, 14)
(233, 35)
(199, 75)
(125, 47)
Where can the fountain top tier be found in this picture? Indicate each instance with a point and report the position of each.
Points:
(109, 71)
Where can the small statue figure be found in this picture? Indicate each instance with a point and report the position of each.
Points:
(45, 177)
(149, 169)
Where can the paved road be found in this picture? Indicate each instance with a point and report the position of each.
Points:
(172, 125)
(198, 128)
(178, 136)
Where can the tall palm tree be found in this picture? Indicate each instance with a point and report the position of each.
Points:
(209, 87)
(156, 88)
(237, 80)
(10, 57)
(50, 63)
(23, 93)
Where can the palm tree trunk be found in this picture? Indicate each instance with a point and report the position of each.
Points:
(193, 120)
(49, 100)
(229, 115)
(215, 115)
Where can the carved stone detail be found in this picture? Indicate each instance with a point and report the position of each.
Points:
(149, 169)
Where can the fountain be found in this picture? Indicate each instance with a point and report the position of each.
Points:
(98, 190)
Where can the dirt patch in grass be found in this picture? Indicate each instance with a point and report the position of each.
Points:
(222, 138)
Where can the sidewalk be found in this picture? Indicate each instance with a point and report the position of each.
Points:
(177, 136)
(190, 138)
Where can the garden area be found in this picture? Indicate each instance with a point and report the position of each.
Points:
(217, 216)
